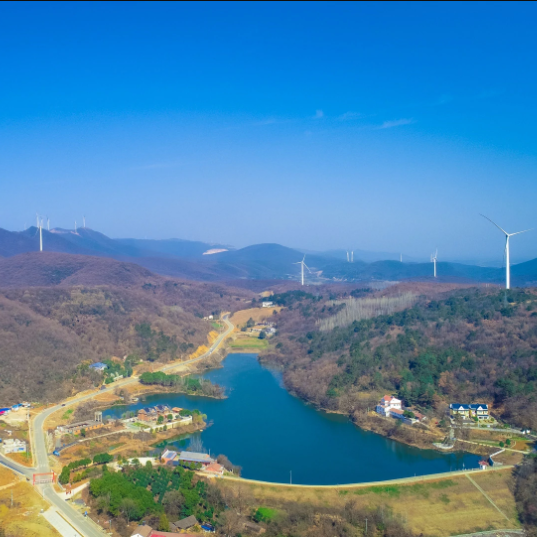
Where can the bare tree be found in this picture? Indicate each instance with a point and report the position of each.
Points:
(365, 308)
(231, 523)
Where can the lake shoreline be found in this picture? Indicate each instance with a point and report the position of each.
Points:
(269, 432)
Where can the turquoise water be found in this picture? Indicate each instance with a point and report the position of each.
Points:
(270, 433)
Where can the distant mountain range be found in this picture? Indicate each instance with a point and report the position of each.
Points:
(191, 260)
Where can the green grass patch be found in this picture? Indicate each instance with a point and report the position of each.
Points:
(249, 343)
(395, 491)
(265, 514)
(216, 325)
(114, 446)
(67, 413)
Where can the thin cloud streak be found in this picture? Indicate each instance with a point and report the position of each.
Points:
(396, 123)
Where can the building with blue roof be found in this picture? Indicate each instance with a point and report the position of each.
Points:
(474, 410)
(98, 366)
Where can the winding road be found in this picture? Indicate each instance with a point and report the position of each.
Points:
(84, 526)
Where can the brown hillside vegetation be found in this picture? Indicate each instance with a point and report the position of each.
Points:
(44, 269)
(47, 333)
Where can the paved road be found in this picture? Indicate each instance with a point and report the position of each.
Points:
(84, 526)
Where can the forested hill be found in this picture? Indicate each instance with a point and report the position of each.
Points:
(468, 345)
(51, 335)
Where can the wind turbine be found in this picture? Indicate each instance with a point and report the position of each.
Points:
(434, 257)
(507, 236)
(347, 256)
(352, 256)
(302, 265)
(40, 229)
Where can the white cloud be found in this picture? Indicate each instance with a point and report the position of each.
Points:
(396, 123)
(318, 114)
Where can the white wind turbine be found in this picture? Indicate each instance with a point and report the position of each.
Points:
(41, 235)
(40, 228)
(347, 256)
(302, 265)
(434, 257)
(507, 236)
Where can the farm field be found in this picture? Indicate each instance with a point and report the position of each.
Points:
(240, 318)
(247, 343)
(439, 508)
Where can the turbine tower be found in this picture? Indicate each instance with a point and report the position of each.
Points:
(48, 223)
(352, 256)
(434, 257)
(347, 256)
(400, 258)
(302, 265)
(84, 221)
(75, 226)
(507, 237)
(40, 234)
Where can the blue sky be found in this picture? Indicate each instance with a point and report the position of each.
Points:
(316, 125)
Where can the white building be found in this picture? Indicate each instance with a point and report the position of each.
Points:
(268, 304)
(387, 404)
(13, 445)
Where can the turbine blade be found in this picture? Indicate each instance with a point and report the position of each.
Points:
(518, 232)
(495, 224)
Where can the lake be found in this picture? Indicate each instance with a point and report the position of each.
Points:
(270, 433)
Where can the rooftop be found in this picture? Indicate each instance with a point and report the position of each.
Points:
(194, 457)
(186, 523)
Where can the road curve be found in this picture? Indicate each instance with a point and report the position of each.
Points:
(84, 526)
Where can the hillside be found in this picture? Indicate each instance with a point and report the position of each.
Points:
(43, 269)
(47, 334)
(184, 259)
(60, 311)
(473, 344)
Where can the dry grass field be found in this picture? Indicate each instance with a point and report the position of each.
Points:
(240, 318)
(442, 507)
(24, 517)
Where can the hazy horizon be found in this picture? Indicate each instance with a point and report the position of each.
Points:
(384, 127)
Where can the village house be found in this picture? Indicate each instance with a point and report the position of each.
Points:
(168, 456)
(184, 524)
(148, 531)
(76, 428)
(476, 410)
(387, 404)
(190, 456)
(98, 366)
(13, 445)
(214, 469)
(150, 414)
(268, 304)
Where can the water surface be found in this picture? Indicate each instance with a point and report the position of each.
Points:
(270, 433)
